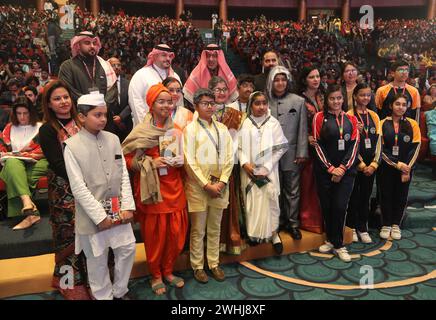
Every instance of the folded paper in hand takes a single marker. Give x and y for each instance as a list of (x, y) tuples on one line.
[(25, 159)]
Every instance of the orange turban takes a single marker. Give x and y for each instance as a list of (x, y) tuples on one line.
[(154, 92)]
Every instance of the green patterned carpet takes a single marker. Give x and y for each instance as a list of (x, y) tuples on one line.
[(411, 257)]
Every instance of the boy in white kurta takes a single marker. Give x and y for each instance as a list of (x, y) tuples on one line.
[(261, 145), (104, 203)]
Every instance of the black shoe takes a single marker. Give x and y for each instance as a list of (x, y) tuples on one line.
[(252, 243), (278, 248), (295, 233)]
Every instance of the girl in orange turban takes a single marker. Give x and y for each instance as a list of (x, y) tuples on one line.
[(158, 188)]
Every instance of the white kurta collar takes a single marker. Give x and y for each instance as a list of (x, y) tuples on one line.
[(259, 119)]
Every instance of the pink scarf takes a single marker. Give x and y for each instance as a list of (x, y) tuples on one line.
[(155, 52), (200, 76)]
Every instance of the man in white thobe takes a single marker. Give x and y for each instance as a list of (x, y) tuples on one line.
[(158, 68)]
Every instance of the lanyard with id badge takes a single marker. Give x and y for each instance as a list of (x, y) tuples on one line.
[(366, 129), (214, 177), (396, 148), (341, 141), (91, 76)]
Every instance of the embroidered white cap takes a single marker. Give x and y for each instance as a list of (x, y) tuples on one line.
[(92, 99)]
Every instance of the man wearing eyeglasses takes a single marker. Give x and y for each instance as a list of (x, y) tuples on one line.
[(385, 94)]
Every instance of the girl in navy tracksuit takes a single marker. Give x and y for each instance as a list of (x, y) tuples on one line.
[(401, 142), (368, 162), (337, 137)]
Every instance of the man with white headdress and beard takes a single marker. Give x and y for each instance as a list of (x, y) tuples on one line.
[(158, 68)]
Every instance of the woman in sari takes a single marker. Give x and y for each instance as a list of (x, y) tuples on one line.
[(231, 238), (310, 210), (61, 122)]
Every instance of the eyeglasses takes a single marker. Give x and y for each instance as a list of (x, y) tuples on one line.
[(205, 104), (402, 70), (220, 90)]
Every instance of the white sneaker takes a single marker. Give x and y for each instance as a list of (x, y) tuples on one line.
[(396, 232), (430, 206), (342, 254), (355, 238), (364, 237), (385, 232), (326, 247)]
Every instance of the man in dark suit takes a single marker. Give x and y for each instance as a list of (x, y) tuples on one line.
[(270, 59), (121, 114)]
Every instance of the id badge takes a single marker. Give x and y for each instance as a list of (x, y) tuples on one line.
[(341, 144), (395, 150), (368, 143), (163, 171)]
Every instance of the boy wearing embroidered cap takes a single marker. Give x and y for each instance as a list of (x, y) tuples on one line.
[(104, 203)]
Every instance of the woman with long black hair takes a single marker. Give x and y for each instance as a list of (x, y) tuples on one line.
[(401, 143), (308, 86), (369, 158), (337, 143), (61, 122)]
